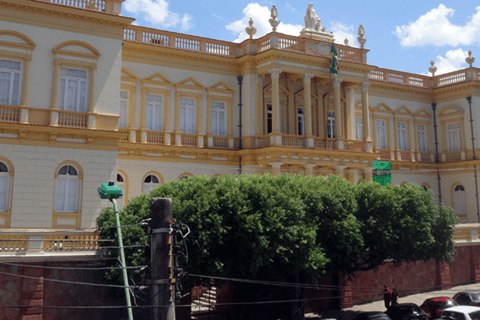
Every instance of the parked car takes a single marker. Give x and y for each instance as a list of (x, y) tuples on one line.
[(461, 313), (468, 298), (434, 307), (372, 315), (406, 311)]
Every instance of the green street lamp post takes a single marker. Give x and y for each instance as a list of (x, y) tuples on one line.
[(112, 192)]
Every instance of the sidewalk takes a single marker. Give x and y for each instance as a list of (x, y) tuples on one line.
[(350, 313)]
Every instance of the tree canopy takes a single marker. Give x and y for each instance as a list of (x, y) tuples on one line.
[(274, 227)]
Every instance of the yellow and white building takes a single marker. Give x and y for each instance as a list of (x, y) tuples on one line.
[(86, 97)]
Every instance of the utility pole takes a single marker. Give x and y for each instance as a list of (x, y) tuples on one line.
[(163, 297)]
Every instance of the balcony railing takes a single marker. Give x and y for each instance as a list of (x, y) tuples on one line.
[(355, 145), (13, 242), (324, 143), (72, 119), (220, 142), (426, 157), (405, 156), (94, 5), (9, 114), (384, 153), (263, 141), (293, 141), (155, 137), (453, 156), (188, 140)]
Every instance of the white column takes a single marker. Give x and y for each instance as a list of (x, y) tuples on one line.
[(336, 82), (276, 134), (366, 116), (350, 113)]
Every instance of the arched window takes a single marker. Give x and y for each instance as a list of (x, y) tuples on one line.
[(67, 189), (4, 187), (150, 183), (459, 200), (425, 187), (121, 184)]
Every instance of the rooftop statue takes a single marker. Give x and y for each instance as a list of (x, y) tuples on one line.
[(312, 21)]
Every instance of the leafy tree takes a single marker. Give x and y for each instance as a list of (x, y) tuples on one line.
[(289, 227)]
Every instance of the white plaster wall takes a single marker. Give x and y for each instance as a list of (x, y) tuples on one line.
[(137, 169), (249, 105), (34, 182), (449, 181), (107, 75), (176, 75)]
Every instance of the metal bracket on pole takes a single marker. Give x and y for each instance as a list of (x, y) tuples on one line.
[(162, 230)]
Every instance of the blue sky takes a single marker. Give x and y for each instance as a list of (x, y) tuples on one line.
[(401, 35)]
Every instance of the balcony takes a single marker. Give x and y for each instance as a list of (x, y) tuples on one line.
[(40, 243), (105, 6), (10, 114), (465, 233)]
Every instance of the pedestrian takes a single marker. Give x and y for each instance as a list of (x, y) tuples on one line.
[(387, 296), (394, 296)]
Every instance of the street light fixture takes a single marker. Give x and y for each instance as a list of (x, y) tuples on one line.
[(110, 191)]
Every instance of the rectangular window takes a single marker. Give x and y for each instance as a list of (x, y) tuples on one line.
[(10, 79), (381, 134), (359, 129), (301, 121), (66, 200), (331, 124), (454, 140), (402, 136), (422, 138), (3, 192), (122, 122), (73, 90), (187, 115), (219, 115), (154, 110)]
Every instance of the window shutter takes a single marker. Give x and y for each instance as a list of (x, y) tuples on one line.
[(190, 120), (60, 199), (214, 123), (122, 122), (83, 97), (158, 118), (16, 89), (149, 117), (61, 95), (459, 201), (3, 193), (221, 123), (72, 91), (182, 120), (71, 196), (4, 87)]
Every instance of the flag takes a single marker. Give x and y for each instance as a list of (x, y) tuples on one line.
[(333, 60)]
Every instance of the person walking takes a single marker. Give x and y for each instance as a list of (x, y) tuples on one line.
[(394, 296), (387, 296)]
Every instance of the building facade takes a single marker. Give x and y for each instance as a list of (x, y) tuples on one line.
[(86, 97)]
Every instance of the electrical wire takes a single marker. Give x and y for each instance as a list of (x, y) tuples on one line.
[(66, 281), (68, 268)]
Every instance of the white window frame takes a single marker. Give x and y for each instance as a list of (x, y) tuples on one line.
[(62, 105), (4, 188), (402, 136), (459, 199), (381, 131), (13, 72), (301, 121), (149, 186), (453, 136), (359, 129), (154, 118), (422, 137), (217, 128), (63, 206), (187, 115), (124, 107)]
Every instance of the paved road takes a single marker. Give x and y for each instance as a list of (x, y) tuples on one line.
[(350, 313)]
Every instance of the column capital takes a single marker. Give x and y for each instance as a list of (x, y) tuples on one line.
[(349, 90), (307, 77), (275, 73), (259, 78), (336, 82), (364, 86)]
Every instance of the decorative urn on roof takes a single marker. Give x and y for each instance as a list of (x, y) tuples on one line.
[(250, 30), (274, 22)]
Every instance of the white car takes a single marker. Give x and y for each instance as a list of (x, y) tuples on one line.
[(461, 313)]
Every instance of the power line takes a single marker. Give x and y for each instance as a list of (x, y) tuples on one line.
[(70, 282), (70, 268)]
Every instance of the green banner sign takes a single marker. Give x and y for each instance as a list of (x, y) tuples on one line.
[(382, 172)]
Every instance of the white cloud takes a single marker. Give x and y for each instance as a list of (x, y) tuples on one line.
[(157, 14), (341, 31), (434, 28), (453, 61), (260, 16)]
